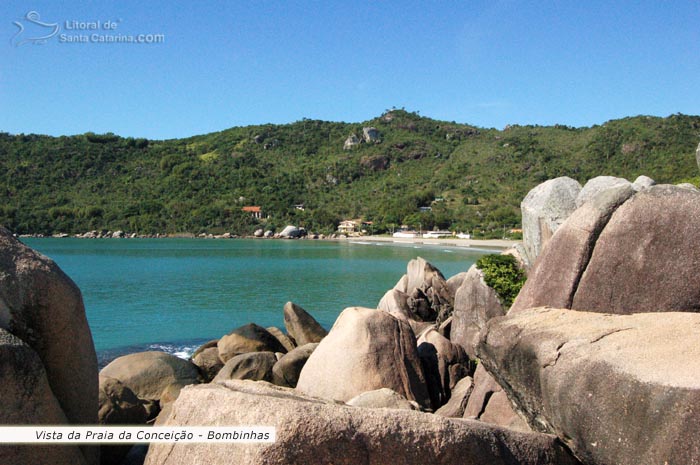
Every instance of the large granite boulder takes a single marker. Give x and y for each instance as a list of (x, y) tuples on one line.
[(287, 369), (544, 209), (642, 182), (455, 406), (42, 306), (475, 304), (597, 185), (290, 232), (248, 338), (554, 278), (256, 366), (620, 389), (310, 431), (284, 339), (623, 254), (27, 399), (365, 350), (148, 374), (646, 258), (301, 326)]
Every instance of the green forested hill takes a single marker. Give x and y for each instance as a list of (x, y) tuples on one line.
[(199, 184)]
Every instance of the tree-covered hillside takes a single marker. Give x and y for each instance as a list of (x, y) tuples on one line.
[(472, 178)]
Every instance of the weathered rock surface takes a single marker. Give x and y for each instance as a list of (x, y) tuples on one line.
[(429, 297), (544, 209), (365, 350), (147, 374), (475, 303), (395, 303), (351, 142), (312, 431), (206, 357), (554, 278), (599, 184), (370, 135), (27, 399), (42, 306), (248, 338), (642, 182), (301, 326), (287, 369), (454, 282), (286, 342), (444, 364), (620, 389), (454, 408), (256, 366), (646, 259), (118, 405), (383, 398), (290, 232), (486, 392)]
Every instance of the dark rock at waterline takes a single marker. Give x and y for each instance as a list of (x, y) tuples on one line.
[(287, 369), (148, 374), (256, 366), (301, 326), (248, 338)]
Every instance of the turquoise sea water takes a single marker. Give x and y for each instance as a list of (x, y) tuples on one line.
[(174, 294)]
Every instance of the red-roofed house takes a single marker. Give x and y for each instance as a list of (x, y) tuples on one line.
[(255, 212)]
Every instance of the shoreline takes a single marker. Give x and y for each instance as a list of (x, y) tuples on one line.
[(487, 244)]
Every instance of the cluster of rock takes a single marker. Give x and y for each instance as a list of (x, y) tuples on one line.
[(582, 369), (370, 135)]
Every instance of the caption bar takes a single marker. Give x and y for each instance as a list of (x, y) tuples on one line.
[(134, 434)]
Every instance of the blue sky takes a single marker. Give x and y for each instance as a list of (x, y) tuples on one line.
[(236, 63)]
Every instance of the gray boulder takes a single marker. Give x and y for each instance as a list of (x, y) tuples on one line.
[(301, 326), (643, 182), (339, 434), (248, 338), (351, 142), (256, 366), (597, 185), (544, 209), (286, 342), (365, 350), (290, 232), (42, 306), (454, 282), (370, 135), (395, 303), (475, 303), (383, 398), (148, 374), (287, 369), (429, 296), (258, 233), (619, 389)]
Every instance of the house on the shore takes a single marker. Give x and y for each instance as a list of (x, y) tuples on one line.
[(255, 211), (347, 226)]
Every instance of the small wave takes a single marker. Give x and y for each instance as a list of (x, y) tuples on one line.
[(182, 350)]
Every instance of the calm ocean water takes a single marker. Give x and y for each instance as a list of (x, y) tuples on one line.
[(174, 294)]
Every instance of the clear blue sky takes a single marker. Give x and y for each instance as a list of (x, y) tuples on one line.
[(224, 64)]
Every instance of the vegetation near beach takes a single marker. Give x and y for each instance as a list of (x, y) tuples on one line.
[(420, 172), (501, 272)]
